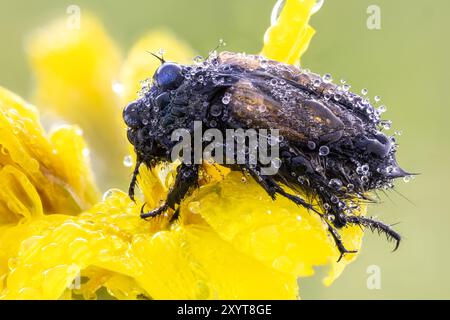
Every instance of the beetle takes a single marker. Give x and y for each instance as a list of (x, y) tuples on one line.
[(333, 149)]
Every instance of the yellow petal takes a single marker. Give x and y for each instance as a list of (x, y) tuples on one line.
[(40, 174), (288, 38), (200, 265), (278, 233), (110, 246), (141, 65), (75, 69)]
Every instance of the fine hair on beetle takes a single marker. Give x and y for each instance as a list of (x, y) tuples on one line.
[(331, 152)]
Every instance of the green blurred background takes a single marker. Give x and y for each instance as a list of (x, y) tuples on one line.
[(406, 63)]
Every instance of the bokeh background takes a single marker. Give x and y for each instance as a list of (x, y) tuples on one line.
[(406, 63)]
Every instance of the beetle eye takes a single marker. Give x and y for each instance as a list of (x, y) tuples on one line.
[(168, 76), (131, 115)]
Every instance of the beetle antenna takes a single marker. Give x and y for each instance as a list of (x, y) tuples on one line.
[(158, 57)]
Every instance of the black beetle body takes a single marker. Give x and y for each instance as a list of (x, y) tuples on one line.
[(332, 150)]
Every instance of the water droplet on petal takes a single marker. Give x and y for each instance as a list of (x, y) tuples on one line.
[(317, 6)]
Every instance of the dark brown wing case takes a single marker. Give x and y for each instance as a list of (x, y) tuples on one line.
[(272, 95)]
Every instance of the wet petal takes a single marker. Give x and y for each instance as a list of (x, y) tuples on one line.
[(75, 69), (40, 174), (288, 38), (110, 246), (278, 233), (198, 264)]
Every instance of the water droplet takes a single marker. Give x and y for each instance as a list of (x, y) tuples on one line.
[(299, 218), (118, 88), (276, 163), (194, 207), (365, 169), (330, 217), (389, 169), (215, 110), (327, 78), (198, 59), (335, 184), (86, 152), (334, 199), (382, 109), (337, 96), (311, 145), (79, 131), (317, 6), (377, 98), (4, 150), (364, 91), (407, 179), (386, 124), (107, 194), (226, 98), (128, 161), (324, 151)]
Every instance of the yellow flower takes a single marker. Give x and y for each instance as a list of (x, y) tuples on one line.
[(58, 240), (40, 173)]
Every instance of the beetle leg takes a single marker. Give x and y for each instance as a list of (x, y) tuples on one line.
[(338, 241), (263, 181), (376, 226), (187, 176), (134, 179), (272, 188)]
